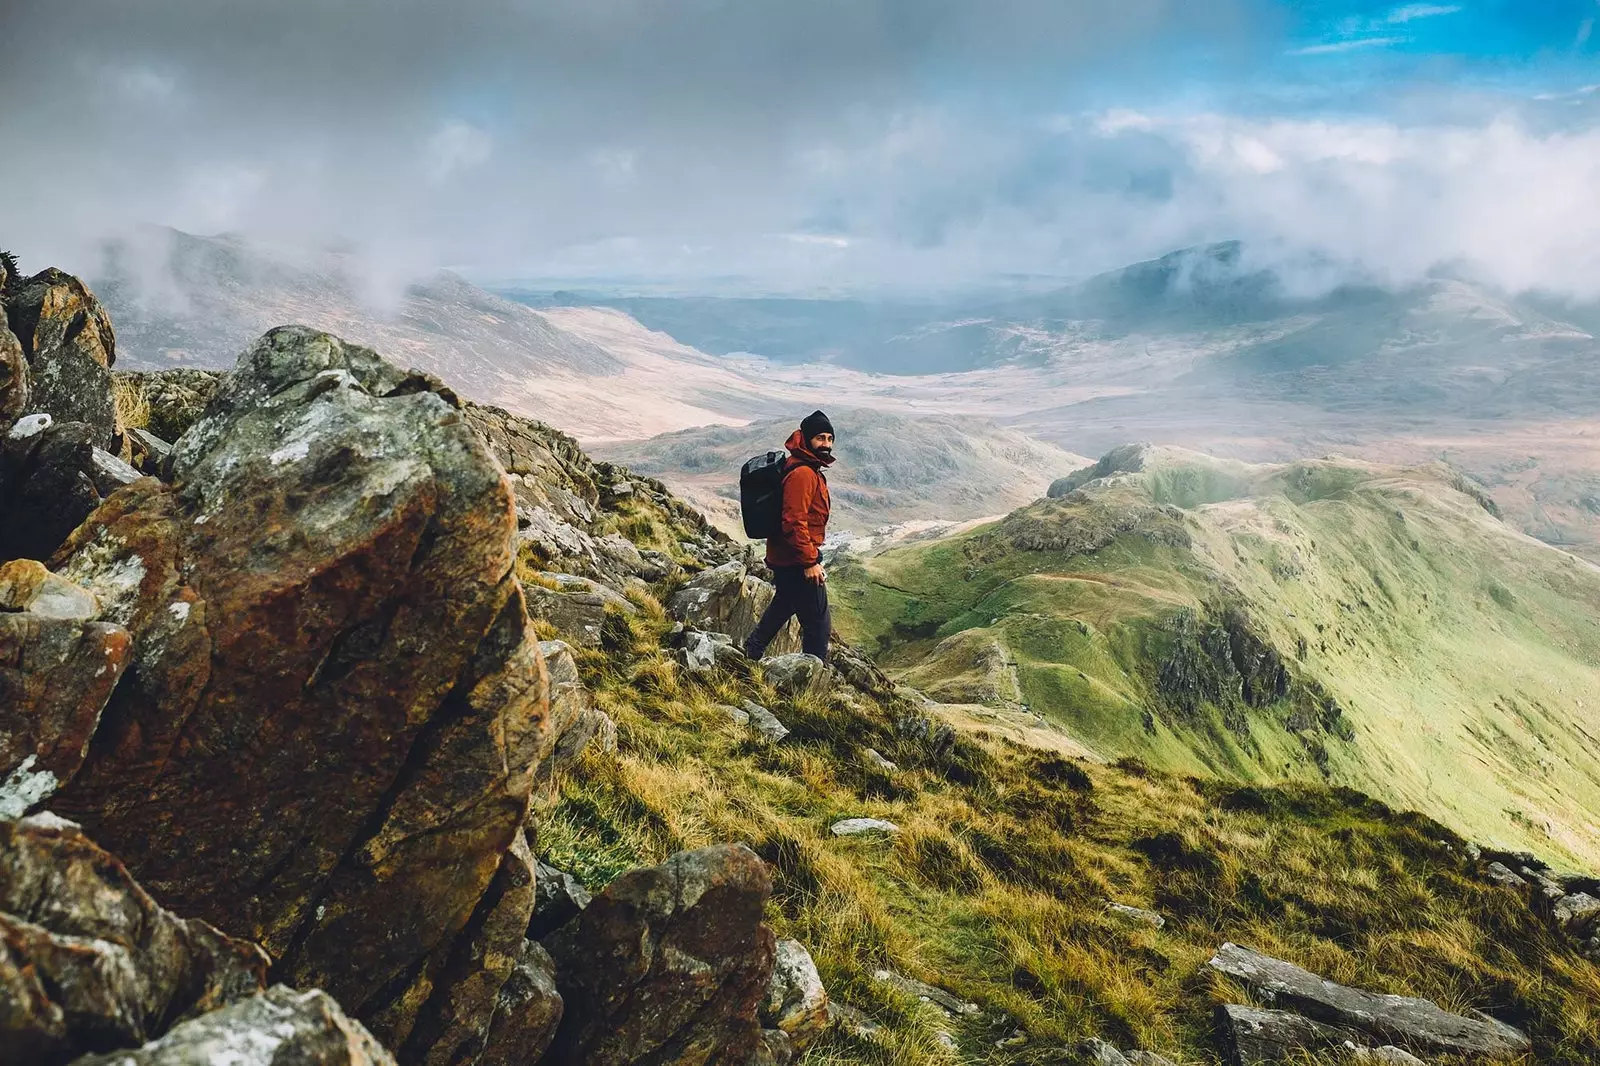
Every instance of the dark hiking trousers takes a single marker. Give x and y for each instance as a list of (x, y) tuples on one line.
[(796, 597)]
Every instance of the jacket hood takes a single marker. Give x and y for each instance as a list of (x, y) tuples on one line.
[(798, 449)]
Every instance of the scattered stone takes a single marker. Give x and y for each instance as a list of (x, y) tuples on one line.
[(110, 473), (1146, 1058), (1417, 1024), (150, 452), (1135, 915), (58, 667), (1501, 875), (1249, 1035), (765, 722), (796, 675), (701, 652), (1387, 1055), (949, 1004), (850, 827), (773, 1048), (278, 1027), (852, 1020), (88, 960), (574, 721), (796, 1002), (668, 964), (527, 1010), (558, 898), (1099, 1053), (1577, 913), (738, 715), (47, 485), (879, 761), (176, 397), (336, 548)]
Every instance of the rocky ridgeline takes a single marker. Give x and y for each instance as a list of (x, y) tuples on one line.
[(289, 677)]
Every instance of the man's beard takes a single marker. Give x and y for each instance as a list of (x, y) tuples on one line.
[(823, 453)]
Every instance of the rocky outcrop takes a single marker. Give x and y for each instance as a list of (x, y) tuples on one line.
[(278, 1027), (729, 599), (1414, 1024), (88, 961), (175, 398), (15, 391), (58, 666), (326, 739), (1250, 1035), (574, 721), (527, 1010), (576, 606), (48, 484), (558, 898), (67, 340), (669, 964)]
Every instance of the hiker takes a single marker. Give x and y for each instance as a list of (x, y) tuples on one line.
[(794, 552)]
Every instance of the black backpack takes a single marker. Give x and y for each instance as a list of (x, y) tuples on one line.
[(761, 494)]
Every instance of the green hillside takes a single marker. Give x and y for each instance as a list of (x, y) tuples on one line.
[(1324, 620)]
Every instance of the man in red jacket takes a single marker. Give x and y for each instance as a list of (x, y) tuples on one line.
[(795, 554)]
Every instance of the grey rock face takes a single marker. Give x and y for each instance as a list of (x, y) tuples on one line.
[(1577, 913), (576, 607), (1501, 875), (558, 898), (1416, 1024), (67, 339), (278, 1027), (88, 961), (729, 599), (669, 964), (1249, 1035), (796, 675), (952, 1005)]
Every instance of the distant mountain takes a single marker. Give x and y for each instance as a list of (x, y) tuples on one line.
[(892, 467)]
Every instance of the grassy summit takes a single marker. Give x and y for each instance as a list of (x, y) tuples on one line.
[(1326, 620)]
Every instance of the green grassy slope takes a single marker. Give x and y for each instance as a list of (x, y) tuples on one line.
[(1324, 620)]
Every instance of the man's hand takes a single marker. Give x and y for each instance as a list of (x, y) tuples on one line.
[(814, 574)]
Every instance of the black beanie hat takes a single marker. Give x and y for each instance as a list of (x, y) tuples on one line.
[(815, 422)]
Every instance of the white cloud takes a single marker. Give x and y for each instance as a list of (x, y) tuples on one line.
[(1333, 47), (455, 148), (1412, 12)]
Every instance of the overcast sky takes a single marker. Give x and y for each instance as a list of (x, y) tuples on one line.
[(796, 143)]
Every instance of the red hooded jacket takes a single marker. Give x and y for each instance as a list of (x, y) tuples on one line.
[(805, 508)]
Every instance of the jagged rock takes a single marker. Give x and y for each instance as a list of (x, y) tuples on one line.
[(1099, 1053), (88, 961), (701, 653), (150, 452), (454, 1026), (1501, 875), (1577, 913), (327, 584), (574, 721), (796, 675), (69, 345), (1415, 1024), (576, 607), (765, 722), (14, 388), (558, 898), (729, 599), (669, 964), (58, 666), (1136, 915), (737, 715), (950, 1004), (47, 485), (278, 1027), (852, 1020), (527, 1011), (1249, 1035), (110, 473), (796, 1002), (850, 827)]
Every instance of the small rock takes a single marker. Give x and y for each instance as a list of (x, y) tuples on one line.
[(1100, 1053), (796, 675), (527, 1011), (738, 715), (558, 897), (110, 473), (946, 1040), (796, 1002), (1146, 1058), (850, 827), (852, 1020), (952, 1005), (1137, 915), (773, 1049), (1387, 1055), (765, 722), (1577, 912), (150, 450), (879, 761), (1501, 875)]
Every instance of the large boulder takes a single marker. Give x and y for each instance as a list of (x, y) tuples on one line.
[(1249, 1035), (326, 741), (796, 1002), (668, 965), (796, 675), (47, 484), (58, 666), (1413, 1024), (88, 961), (729, 599), (278, 1027), (67, 339), (14, 387)]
